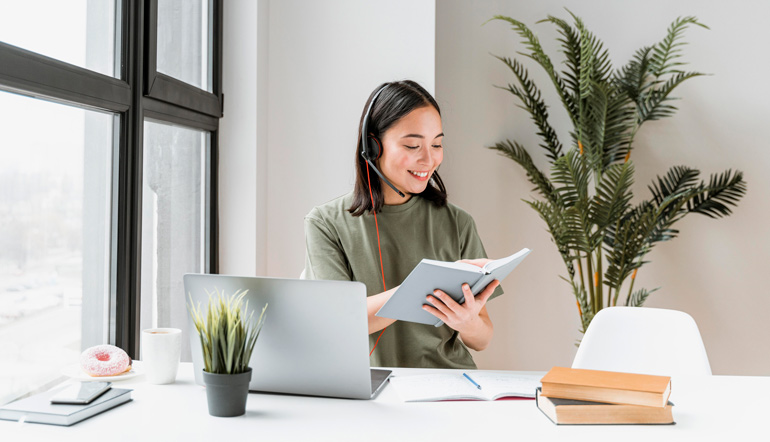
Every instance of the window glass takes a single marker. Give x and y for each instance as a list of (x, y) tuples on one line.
[(184, 41), (173, 221), (55, 230), (79, 32)]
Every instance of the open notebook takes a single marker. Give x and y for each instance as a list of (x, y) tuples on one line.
[(454, 386)]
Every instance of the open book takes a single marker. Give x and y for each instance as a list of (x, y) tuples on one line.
[(453, 386), (406, 303)]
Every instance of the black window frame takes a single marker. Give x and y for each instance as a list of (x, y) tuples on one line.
[(172, 90), (31, 74)]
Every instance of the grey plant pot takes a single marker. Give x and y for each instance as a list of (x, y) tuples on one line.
[(227, 393)]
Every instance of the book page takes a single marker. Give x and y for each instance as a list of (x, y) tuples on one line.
[(454, 265), (452, 386), (493, 265), (497, 385)]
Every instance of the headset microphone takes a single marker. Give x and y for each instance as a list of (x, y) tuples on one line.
[(371, 149), (383, 177)]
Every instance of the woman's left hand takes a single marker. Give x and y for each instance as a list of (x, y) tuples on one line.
[(464, 316)]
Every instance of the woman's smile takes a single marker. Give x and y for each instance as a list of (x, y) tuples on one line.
[(422, 176)]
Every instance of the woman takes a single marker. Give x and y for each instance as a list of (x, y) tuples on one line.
[(377, 234)]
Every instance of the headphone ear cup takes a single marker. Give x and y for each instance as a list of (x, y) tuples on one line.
[(374, 149)]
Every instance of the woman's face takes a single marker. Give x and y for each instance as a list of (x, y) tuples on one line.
[(411, 152)]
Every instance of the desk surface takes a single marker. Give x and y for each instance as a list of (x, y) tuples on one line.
[(705, 409)]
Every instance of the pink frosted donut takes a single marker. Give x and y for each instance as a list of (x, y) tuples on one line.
[(104, 360)]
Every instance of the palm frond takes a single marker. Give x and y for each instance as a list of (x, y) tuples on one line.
[(607, 121), (612, 195), (537, 53), (632, 78), (593, 118), (676, 180), (533, 103), (626, 243), (620, 119), (637, 298), (666, 53), (595, 63), (570, 42), (572, 173), (655, 104), (723, 190)]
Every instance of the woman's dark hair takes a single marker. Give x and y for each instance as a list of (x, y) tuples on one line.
[(397, 100)]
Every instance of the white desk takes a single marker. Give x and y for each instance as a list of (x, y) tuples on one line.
[(730, 407)]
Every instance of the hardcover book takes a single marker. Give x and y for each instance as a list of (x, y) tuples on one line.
[(574, 412), (429, 275), (607, 386)]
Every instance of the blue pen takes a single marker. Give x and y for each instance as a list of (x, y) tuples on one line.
[(472, 381)]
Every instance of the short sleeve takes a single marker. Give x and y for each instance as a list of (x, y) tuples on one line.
[(324, 258), (473, 248)]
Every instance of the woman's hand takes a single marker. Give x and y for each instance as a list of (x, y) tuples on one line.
[(470, 318)]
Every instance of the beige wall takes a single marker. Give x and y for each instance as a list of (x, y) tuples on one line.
[(716, 269)]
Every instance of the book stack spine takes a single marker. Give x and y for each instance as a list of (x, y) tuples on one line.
[(578, 396)]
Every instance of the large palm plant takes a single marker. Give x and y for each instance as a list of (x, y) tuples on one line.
[(586, 203)]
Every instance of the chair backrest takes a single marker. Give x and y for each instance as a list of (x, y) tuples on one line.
[(643, 340)]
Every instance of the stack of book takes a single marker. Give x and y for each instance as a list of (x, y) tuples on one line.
[(40, 409), (579, 396)]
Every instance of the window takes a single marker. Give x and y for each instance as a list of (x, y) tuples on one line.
[(107, 174), (184, 41), (55, 199), (78, 32)]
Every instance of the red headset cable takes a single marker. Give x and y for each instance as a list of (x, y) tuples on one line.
[(379, 248)]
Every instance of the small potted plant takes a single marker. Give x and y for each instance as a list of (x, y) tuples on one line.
[(227, 339)]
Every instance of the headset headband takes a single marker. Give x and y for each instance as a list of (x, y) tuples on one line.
[(365, 125)]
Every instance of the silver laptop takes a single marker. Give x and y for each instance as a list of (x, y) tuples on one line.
[(314, 340)]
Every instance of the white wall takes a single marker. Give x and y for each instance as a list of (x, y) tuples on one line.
[(715, 270), (239, 180)]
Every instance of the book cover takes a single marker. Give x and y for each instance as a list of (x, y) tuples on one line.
[(607, 386), (575, 412), (453, 386), (39, 409), (429, 275)]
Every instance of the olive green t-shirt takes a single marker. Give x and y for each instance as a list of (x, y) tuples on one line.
[(340, 246)]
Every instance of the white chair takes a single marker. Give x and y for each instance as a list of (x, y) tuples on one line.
[(643, 340)]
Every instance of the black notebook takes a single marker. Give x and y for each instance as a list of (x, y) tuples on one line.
[(39, 409)]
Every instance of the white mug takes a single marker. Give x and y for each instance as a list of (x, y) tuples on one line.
[(161, 349)]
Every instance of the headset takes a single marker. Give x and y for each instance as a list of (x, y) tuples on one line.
[(371, 147), (371, 150)]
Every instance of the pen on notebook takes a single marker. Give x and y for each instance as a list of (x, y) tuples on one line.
[(472, 381)]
